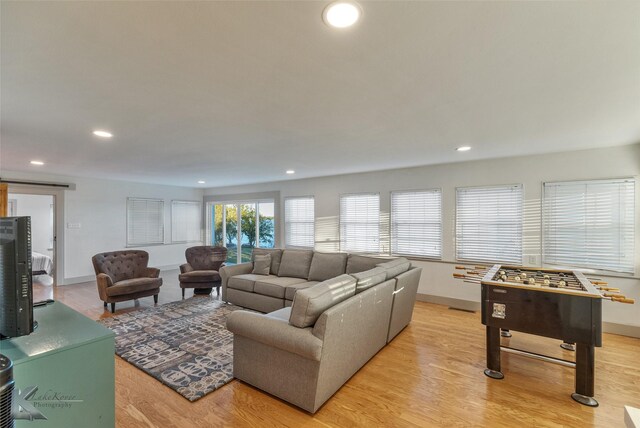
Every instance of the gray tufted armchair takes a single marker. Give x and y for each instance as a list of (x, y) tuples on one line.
[(201, 270), (124, 275)]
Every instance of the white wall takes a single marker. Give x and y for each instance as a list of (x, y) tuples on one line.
[(38, 208), (531, 171), (99, 206)]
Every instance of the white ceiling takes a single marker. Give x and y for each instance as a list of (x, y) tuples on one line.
[(238, 92)]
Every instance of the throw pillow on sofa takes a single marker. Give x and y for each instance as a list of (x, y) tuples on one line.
[(395, 267), (327, 265), (262, 264), (276, 256), (310, 303), (295, 263), (369, 278)]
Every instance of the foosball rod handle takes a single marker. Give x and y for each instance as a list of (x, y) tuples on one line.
[(622, 299)]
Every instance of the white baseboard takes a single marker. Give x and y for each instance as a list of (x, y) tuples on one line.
[(621, 329), (465, 305), (468, 305)]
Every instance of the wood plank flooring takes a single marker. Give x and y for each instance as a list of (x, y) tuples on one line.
[(430, 375)]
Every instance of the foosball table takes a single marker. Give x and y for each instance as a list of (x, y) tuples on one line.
[(560, 304)]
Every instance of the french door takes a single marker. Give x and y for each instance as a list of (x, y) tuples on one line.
[(241, 227)]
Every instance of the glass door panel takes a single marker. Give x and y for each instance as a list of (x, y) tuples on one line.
[(266, 225), (216, 226), (248, 232), (231, 232)]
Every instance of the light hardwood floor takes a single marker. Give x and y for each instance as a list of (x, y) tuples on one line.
[(430, 375)]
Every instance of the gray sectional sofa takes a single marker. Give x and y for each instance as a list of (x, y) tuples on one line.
[(327, 315)]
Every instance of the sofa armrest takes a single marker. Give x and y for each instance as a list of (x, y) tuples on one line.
[(153, 272), (276, 333), (227, 272), (186, 268), (104, 281)]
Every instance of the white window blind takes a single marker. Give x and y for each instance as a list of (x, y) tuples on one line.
[(590, 224), (489, 224), (299, 222), (416, 223), (185, 221), (360, 223), (145, 221)]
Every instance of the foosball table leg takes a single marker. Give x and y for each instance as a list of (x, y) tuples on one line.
[(505, 333), (585, 375), (493, 353)]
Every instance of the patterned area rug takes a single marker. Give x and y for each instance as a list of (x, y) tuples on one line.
[(183, 344)]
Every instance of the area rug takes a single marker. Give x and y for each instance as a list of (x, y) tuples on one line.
[(184, 344)]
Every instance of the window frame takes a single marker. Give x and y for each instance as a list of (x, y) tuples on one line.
[(391, 223), (184, 201), (600, 271), (162, 213), (340, 223), (457, 217), (285, 221)]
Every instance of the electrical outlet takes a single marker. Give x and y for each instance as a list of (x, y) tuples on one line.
[(533, 260)]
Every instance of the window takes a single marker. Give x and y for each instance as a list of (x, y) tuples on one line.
[(241, 227), (589, 224), (360, 223), (145, 221), (299, 222), (489, 224), (416, 223), (185, 221)]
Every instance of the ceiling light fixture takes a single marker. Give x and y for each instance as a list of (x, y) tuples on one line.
[(102, 134), (463, 149), (35, 162), (290, 171), (341, 14), (201, 181)]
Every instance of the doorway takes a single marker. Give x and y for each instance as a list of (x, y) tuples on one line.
[(42, 210), (241, 227)]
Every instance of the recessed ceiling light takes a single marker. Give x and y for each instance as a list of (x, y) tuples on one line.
[(463, 149), (35, 162), (290, 171), (102, 134), (341, 14), (201, 181)]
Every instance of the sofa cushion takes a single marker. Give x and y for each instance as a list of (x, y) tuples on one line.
[(310, 303), (291, 289), (295, 263), (395, 267), (200, 276), (369, 278), (276, 256), (245, 282), (274, 286), (130, 286), (357, 263), (262, 264), (327, 265)]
